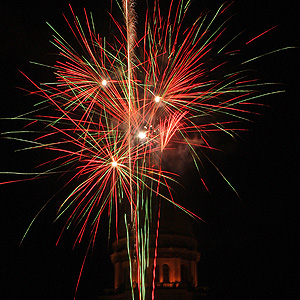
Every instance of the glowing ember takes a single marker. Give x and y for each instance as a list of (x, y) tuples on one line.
[(142, 135), (157, 99)]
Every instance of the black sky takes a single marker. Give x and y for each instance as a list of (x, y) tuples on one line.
[(252, 251)]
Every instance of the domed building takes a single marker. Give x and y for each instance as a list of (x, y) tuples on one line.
[(176, 275)]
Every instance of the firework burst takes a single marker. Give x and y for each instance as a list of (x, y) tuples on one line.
[(119, 107)]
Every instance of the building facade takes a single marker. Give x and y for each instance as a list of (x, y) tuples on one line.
[(176, 274)]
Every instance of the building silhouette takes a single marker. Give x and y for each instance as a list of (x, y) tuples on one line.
[(176, 273)]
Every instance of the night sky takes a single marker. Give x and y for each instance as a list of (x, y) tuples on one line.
[(248, 244)]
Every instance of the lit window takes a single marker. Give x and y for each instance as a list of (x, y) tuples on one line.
[(166, 273), (157, 274), (183, 274)]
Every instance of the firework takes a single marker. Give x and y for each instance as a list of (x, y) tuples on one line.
[(119, 108)]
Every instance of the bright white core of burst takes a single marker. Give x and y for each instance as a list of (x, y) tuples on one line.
[(104, 82), (157, 99), (142, 135), (114, 163)]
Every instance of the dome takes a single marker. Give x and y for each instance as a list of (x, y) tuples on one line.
[(174, 220), (177, 254)]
